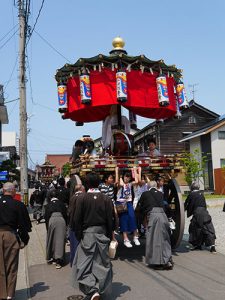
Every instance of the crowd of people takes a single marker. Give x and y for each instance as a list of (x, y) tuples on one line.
[(90, 216)]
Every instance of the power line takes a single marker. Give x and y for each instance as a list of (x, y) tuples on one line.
[(29, 74), (31, 89), (13, 79), (35, 23), (8, 32), (13, 108), (27, 11), (52, 46), (13, 20), (45, 151), (12, 100), (10, 77), (9, 38), (44, 139), (30, 158), (51, 136), (46, 107)]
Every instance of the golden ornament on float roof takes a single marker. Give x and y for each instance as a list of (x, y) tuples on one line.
[(118, 43)]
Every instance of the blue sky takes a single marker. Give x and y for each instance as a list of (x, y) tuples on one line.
[(189, 34)]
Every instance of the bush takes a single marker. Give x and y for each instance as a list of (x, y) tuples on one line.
[(194, 165)]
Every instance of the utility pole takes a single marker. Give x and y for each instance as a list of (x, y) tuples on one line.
[(23, 111)]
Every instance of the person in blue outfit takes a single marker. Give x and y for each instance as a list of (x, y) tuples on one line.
[(127, 219)]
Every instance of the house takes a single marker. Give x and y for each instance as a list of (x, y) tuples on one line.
[(210, 140), (3, 112), (10, 144), (170, 131), (58, 160)]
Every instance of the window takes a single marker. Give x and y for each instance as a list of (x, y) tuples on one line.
[(191, 120), (222, 162), (221, 135), (186, 133)]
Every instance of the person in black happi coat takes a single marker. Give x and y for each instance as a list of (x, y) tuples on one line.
[(201, 229)]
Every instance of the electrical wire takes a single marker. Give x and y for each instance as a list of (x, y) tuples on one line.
[(45, 151), (9, 38), (14, 22), (12, 100), (51, 136), (31, 90), (45, 139), (8, 32), (46, 107), (28, 154), (27, 12), (52, 47), (10, 77), (13, 108), (35, 23), (30, 82)]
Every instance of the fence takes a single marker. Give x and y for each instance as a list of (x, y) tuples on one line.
[(219, 175)]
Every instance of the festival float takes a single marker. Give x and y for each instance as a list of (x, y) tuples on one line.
[(98, 88)]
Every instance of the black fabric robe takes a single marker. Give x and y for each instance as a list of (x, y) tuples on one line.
[(92, 222), (201, 229), (149, 200), (14, 220), (55, 206), (158, 245), (92, 209)]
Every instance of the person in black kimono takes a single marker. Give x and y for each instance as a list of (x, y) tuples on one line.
[(14, 227), (36, 202), (158, 253), (92, 222), (201, 229), (79, 189), (56, 220), (63, 193)]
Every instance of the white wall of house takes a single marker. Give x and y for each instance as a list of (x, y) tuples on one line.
[(218, 148), (195, 143), (8, 138)]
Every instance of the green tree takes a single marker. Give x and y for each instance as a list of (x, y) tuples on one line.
[(66, 169), (194, 165)]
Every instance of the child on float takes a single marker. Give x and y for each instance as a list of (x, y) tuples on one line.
[(143, 186), (127, 219), (143, 183)]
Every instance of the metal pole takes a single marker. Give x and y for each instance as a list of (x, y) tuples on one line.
[(23, 112)]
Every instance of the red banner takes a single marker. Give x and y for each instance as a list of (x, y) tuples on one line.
[(142, 96)]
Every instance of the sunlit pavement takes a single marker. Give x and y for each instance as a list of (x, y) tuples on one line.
[(196, 274)]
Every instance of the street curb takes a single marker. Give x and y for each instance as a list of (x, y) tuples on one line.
[(27, 273), (219, 202)]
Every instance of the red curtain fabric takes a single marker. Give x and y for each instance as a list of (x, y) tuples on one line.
[(142, 96)]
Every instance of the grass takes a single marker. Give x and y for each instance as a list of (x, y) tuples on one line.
[(207, 196), (212, 196)]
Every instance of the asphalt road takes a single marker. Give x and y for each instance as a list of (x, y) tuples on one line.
[(196, 275)]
